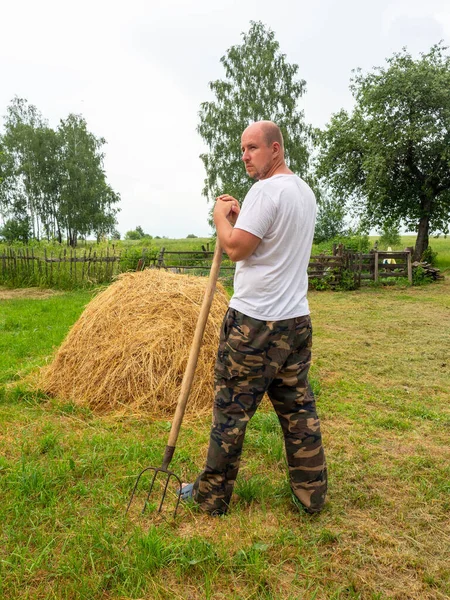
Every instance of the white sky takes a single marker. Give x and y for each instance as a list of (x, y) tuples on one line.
[(138, 70)]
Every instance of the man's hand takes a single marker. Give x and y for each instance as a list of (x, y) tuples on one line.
[(227, 206), (237, 243)]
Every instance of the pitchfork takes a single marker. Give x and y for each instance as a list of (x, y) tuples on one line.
[(184, 392)]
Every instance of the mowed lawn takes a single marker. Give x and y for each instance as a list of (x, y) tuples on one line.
[(381, 373)]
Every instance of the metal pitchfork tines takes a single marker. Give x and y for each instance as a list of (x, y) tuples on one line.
[(184, 392)]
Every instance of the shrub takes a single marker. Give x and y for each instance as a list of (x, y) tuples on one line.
[(347, 281), (429, 256), (319, 284), (356, 243), (334, 280), (420, 276), (18, 229), (130, 258), (137, 234)]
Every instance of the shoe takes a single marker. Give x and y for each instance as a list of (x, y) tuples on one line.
[(187, 492), (187, 495)]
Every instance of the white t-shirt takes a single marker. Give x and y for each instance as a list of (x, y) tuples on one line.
[(272, 283)]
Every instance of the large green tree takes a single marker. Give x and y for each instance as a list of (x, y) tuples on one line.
[(86, 200), (53, 180), (259, 84), (330, 221), (391, 156), (21, 190)]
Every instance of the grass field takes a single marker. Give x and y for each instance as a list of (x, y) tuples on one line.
[(381, 373)]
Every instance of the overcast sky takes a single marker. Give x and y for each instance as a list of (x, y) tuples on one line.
[(138, 70)]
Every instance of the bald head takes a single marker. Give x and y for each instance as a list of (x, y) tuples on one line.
[(270, 131), (262, 150)]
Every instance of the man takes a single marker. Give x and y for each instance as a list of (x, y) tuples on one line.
[(266, 336)]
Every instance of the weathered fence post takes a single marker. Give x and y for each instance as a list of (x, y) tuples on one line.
[(59, 267), (161, 257), (409, 266), (375, 272), (32, 262)]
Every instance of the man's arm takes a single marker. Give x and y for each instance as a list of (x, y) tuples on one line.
[(237, 243)]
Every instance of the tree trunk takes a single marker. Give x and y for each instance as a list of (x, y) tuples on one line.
[(422, 237)]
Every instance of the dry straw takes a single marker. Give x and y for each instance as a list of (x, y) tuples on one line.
[(129, 348)]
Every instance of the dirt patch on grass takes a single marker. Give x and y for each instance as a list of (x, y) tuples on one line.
[(27, 293)]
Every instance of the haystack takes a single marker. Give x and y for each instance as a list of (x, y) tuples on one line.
[(129, 348)]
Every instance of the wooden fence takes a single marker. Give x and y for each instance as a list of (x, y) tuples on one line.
[(67, 268), (331, 269), (71, 268), (376, 266)]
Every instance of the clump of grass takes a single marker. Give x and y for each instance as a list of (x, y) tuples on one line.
[(254, 488)]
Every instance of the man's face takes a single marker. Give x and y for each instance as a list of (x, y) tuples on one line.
[(258, 157)]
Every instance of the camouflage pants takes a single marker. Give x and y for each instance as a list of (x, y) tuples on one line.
[(255, 357)]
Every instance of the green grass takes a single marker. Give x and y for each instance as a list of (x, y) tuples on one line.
[(29, 329), (381, 375), (182, 244)]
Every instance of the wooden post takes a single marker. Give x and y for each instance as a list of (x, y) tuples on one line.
[(32, 263), (65, 263), (94, 269), (15, 265), (375, 273), (360, 268), (83, 265), (39, 265), (161, 257), (59, 267), (409, 266), (107, 265), (28, 263)]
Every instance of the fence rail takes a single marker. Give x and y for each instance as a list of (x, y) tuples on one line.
[(71, 268)]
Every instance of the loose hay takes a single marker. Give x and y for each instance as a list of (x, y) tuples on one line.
[(129, 348)]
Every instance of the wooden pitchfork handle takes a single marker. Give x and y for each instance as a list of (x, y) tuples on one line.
[(193, 357)]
